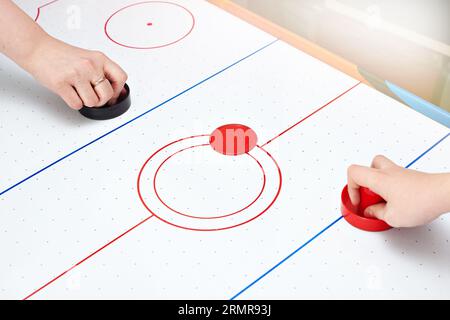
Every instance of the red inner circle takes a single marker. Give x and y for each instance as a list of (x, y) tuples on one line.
[(202, 217)]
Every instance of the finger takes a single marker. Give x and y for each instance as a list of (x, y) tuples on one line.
[(114, 100), (381, 162), (116, 76), (70, 97), (87, 94), (377, 211), (359, 176), (104, 91)]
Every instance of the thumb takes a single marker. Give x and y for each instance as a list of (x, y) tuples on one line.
[(377, 211)]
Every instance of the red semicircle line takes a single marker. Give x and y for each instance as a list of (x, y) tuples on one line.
[(38, 13)]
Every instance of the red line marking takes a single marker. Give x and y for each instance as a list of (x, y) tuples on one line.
[(87, 258), (310, 115), (43, 6)]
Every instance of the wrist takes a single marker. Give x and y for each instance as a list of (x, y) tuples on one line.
[(442, 199), (36, 51)]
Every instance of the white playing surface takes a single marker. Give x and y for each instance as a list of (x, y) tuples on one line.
[(73, 225)]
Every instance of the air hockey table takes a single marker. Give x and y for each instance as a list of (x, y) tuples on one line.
[(141, 207)]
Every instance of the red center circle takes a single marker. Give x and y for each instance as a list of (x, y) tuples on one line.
[(232, 226), (188, 32)]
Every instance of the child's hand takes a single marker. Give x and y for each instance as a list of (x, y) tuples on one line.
[(412, 198), (80, 77)]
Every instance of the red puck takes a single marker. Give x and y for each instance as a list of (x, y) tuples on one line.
[(355, 215), (233, 139)]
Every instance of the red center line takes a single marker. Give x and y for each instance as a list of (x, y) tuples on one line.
[(310, 115), (87, 258)]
